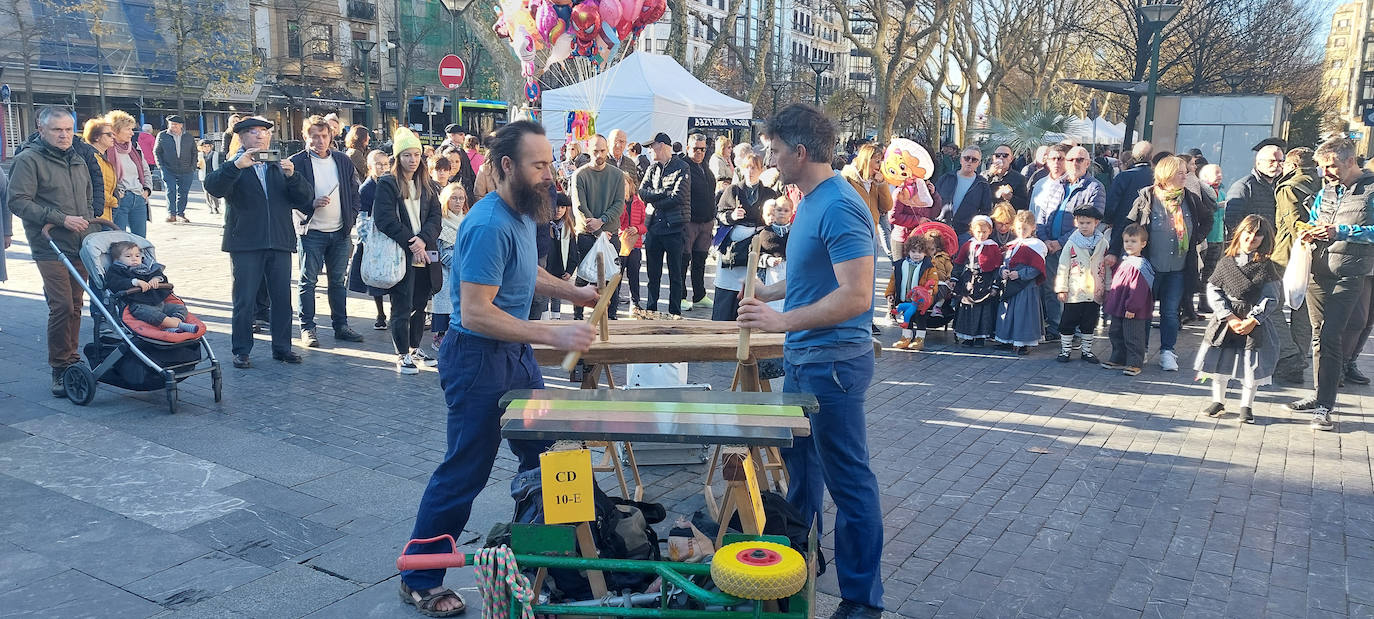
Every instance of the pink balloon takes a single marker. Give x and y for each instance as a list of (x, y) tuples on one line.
[(545, 18), (629, 12), (610, 12), (651, 11)]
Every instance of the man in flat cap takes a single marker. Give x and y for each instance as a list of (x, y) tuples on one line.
[(175, 152), (261, 189)]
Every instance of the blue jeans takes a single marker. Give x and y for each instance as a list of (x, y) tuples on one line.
[(330, 252), (835, 456), (475, 372), (1169, 291), (131, 215), (1049, 299), (178, 190)]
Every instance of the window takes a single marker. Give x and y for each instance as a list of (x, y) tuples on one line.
[(293, 39), (1337, 65), (321, 42), (1342, 24), (1338, 42)]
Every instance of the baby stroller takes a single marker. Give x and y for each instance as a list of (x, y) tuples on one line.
[(124, 351)]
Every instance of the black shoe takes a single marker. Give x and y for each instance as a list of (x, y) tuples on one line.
[(286, 357), (876, 331), (1215, 409), (1063, 357), (1088, 357), (1052, 336), (261, 326), (241, 362), (1246, 416), (380, 325), (347, 334), (1289, 378), (855, 610), (968, 343), (59, 389), (979, 343), (1305, 404), (1353, 375), (1004, 346), (1023, 350)]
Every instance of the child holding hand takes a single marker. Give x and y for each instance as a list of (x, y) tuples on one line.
[(1130, 303)]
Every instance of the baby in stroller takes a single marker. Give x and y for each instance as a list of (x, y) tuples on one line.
[(144, 288)]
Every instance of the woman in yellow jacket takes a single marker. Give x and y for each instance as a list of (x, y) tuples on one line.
[(865, 175), (100, 134)]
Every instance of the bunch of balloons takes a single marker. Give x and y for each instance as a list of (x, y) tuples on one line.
[(555, 30), (581, 125)]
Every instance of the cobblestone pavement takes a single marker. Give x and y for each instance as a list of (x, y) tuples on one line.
[(1010, 487)]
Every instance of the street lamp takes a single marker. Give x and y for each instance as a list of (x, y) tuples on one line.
[(776, 86), (365, 47), (819, 66), (1155, 14), (1234, 80), (954, 91)]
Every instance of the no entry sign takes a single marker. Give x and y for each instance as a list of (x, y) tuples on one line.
[(452, 71)]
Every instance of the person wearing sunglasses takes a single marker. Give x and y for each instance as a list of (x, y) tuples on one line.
[(1054, 200), (964, 193), (1007, 184)]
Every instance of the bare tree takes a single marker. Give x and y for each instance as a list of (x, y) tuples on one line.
[(204, 43), (25, 33), (902, 44), (718, 37)]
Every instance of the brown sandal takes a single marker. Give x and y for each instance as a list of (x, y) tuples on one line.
[(425, 604)]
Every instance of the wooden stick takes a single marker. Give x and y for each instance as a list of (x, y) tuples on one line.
[(602, 326), (573, 356), (750, 277)]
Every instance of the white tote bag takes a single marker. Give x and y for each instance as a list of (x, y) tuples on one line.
[(384, 262), (1295, 276)]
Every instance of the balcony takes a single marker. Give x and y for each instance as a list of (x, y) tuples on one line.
[(363, 11), (357, 67)]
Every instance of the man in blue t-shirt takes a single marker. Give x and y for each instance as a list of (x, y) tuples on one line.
[(829, 348), (487, 351)]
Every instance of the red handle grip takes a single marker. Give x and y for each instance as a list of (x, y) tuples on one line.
[(431, 561)]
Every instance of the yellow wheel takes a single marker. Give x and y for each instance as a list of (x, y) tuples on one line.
[(758, 570)]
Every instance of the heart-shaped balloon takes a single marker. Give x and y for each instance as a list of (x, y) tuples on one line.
[(610, 13)]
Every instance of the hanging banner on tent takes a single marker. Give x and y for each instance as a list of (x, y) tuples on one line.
[(706, 122)]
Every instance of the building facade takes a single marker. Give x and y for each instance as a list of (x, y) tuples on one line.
[(1348, 69)]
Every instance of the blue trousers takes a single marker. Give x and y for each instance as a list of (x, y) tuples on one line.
[(131, 214), (1169, 291), (474, 372), (329, 252), (178, 190), (835, 456)]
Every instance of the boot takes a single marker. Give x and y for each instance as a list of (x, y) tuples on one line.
[(918, 342), (58, 389), (1087, 354), (905, 341)]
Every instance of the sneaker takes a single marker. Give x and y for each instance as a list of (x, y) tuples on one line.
[(1321, 419), (421, 356), (309, 339), (902, 343), (1354, 375), (705, 302), (1305, 404), (917, 343), (1168, 361), (1246, 415), (1063, 357), (59, 390), (1215, 409), (437, 340), (287, 357), (855, 610), (876, 331), (380, 325), (242, 362), (1131, 371), (347, 334), (686, 306), (1088, 357), (1108, 365), (171, 219), (1052, 336), (406, 365), (183, 219)]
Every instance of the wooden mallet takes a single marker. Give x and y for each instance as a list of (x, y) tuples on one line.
[(750, 278), (603, 302)]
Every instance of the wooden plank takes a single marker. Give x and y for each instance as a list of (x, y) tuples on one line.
[(669, 349), (586, 407), (688, 433), (805, 400), (800, 426), (686, 326)]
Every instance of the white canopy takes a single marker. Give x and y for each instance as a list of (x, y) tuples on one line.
[(1107, 133), (642, 95)]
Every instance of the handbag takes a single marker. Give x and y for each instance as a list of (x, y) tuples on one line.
[(603, 249), (1296, 275), (384, 261)]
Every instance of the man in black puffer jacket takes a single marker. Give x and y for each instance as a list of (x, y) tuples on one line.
[(665, 191), (701, 227)]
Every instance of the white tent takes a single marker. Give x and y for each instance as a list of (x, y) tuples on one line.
[(642, 95), (1107, 133)]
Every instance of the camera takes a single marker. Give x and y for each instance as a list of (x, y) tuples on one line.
[(267, 156)]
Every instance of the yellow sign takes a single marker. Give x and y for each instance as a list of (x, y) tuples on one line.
[(568, 483), (751, 481)]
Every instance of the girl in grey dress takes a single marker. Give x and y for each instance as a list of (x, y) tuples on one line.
[(1241, 341)]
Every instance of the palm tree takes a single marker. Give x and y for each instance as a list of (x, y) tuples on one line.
[(1026, 127)]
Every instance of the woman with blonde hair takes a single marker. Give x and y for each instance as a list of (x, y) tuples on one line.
[(97, 133), (865, 176), (722, 163), (1177, 220), (132, 185)]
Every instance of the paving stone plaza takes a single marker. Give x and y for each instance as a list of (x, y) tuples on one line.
[(1010, 486)]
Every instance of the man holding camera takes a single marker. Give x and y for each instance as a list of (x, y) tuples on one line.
[(261, 190)]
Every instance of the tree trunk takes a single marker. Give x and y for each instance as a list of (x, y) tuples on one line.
[(677, 31), (501, 57), (762, 73)]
